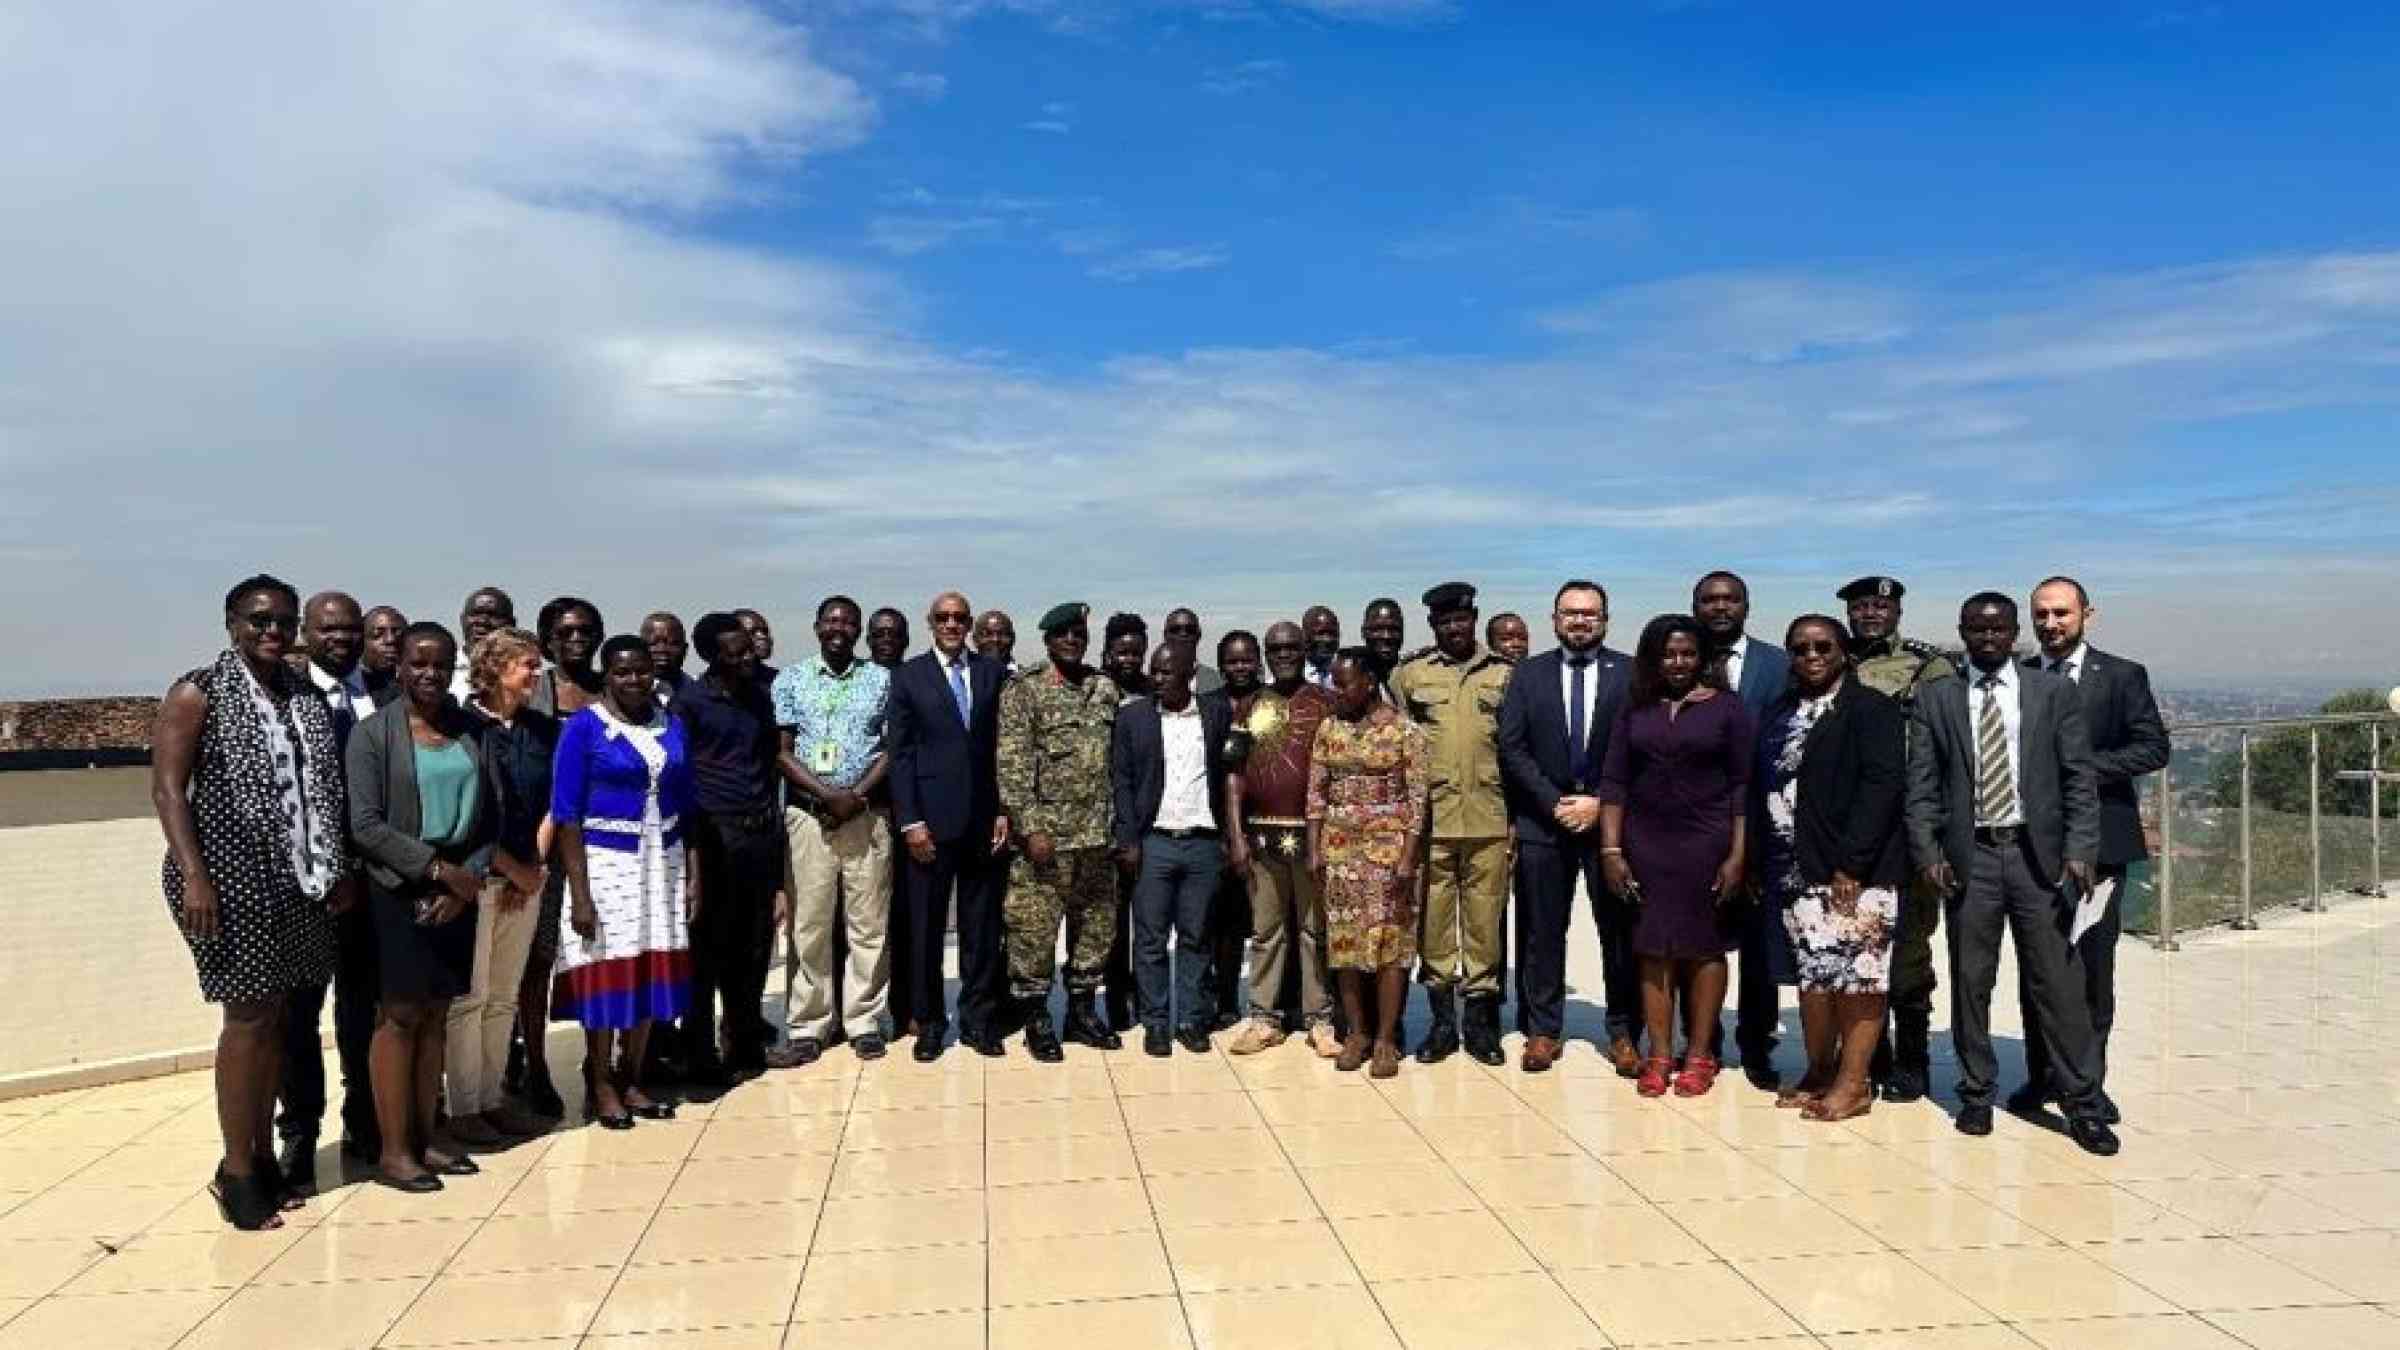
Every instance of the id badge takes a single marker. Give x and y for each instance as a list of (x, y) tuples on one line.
[(826, 758)]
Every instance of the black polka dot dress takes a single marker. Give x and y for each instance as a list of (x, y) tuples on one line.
[(272, 937)]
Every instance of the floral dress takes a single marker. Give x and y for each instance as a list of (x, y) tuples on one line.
[(1368, 787), (1836, 953)]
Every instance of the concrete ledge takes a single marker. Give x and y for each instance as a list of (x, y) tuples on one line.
[(73, 1076)]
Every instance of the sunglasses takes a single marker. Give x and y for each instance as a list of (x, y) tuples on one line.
[(1820, 647), (950, 620), (267, 622)]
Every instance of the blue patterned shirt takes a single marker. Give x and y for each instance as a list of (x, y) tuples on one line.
[(836, 721)]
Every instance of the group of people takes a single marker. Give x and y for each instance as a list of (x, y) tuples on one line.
[(465, 836)]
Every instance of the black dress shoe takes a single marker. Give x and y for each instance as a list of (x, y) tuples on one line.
[(1975, 1118), (1906, 1084), (710, 1073), (929, 1046), (1156, 1042), (2093, 1136), (358, 1148), (2109, 1115), (1085, 1026), (869, 1046), (542, 1099), (1761, 1073), (986, 1043), (798, 1054), (1194, 1039), (2028, 1100), (423, 1183), (298, 1161)]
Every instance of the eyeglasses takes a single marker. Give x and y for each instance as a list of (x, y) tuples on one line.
[(942, 620), (1820, 647), (268, 621)]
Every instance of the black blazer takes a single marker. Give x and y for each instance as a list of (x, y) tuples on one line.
[(1137, 762), (2055, 782), (1853, 784), (2129, 739), (1535, 766), (943, 775), (385, 820)]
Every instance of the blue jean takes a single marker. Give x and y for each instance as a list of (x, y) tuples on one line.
[(1175, 886)]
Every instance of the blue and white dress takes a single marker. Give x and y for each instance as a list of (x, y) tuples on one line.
[(629, 787)]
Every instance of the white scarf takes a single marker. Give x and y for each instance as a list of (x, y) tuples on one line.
[(315, 848)]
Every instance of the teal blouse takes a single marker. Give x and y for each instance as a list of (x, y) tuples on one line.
[(446, 788)]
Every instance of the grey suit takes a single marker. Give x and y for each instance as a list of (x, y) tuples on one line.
[(2010, 878)]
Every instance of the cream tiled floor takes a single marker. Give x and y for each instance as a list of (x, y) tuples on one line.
[(1211, 1202)]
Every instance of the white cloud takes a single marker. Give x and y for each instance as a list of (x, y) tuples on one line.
[(1151, 262), (905, 236), (922, 84), (322, 318)]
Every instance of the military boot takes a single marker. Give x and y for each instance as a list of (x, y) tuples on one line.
[(1911, 1075), (1084, 1024), (1041, 1041), (1483, 1031), (1441, 1039)]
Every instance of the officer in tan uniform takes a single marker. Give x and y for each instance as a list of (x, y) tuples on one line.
[(1056, 722), (1899, 668), (1453, 691)]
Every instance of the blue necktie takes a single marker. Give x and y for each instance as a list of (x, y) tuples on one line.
[(958, 690), (1575, 727)]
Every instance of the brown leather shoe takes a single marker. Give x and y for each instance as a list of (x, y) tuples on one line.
[(1627, 1060), (1540, 1053)]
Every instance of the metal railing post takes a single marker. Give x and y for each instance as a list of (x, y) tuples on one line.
[(2166, 862), (2375, 809), (2244, 921), (2315, 903)]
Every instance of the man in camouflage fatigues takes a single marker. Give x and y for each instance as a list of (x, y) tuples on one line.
[(1454, 692), (1900, 668), (1056, 721)]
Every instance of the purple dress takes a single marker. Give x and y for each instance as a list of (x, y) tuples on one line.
[(1682, 783)]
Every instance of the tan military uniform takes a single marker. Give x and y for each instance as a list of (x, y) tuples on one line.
[(1466, 872), (1054, 781)]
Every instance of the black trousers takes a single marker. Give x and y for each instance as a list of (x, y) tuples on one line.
[(2095, 956), (1545, 879), (980, 880), (2002, 892), (1117, 985), (741, 868), (1760, 1015), (1228, 939), (356, 988)]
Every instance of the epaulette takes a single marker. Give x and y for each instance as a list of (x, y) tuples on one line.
[(1418, 655), (1921, 649)]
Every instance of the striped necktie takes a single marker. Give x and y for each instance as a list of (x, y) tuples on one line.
[(1995, 786)]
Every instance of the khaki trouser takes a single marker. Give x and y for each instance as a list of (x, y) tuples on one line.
[(840, 872), (1466, 896), (476, 1030), (1287, 911)]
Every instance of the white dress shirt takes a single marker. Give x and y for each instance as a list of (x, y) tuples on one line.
[(1733, 663), (2070, 665), (1184, 803), (349, 691), (2011, 720), (1591, 691)]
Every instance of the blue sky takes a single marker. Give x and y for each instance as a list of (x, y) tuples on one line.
[(1243, 305)]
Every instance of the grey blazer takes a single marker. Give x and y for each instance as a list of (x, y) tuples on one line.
[(385, 822), (2056, 784)]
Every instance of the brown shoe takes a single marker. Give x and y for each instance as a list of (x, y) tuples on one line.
[(1627, 1060), (1540, 1053)]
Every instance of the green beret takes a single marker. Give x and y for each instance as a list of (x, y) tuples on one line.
[(1064, 616)]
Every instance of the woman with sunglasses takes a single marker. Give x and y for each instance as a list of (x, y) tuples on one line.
[(1826, 806), (248, 787)]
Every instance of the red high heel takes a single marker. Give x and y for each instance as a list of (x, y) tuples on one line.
[(1698, 1076), (1653, 1082)]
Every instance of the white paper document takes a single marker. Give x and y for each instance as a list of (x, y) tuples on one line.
[(2089, 907)]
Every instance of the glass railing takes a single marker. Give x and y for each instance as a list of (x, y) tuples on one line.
[(2282, 812)]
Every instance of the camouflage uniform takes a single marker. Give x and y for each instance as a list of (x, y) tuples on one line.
[(1054, 781), (1900, 668)]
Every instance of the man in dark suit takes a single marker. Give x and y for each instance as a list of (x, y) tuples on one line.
[(1757, 672), (1167, 764), (943, 724), (334, 635), (2129, 739), (2004, 823), (1554, 721)]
